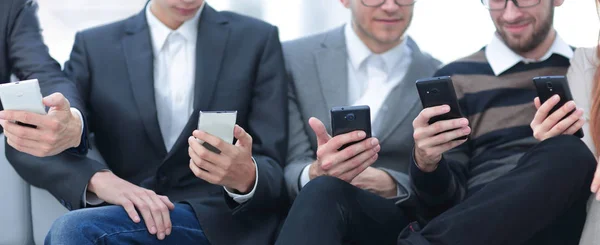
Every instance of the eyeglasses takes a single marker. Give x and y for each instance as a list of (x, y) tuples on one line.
[(378, 3), (501, 4)]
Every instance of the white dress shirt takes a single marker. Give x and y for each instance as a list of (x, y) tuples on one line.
[(174, 80), (371, 77), (502, 58)]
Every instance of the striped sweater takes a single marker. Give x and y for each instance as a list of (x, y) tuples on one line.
[(500, 109)]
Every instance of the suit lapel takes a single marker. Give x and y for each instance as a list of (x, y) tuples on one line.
[(210, 50), (139, 56), (404, 97), (333, 70)]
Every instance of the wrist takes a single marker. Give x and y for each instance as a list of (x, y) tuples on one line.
[(97, 179), (248, 185), (426, 166)]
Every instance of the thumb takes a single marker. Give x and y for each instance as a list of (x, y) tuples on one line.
[(244, 139), (57, 101), (320, 131)]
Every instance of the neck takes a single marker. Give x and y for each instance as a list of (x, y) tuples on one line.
[(162, 16), (538, 52), (375, 46)]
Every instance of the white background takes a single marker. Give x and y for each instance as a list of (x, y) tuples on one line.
[(448, 29)]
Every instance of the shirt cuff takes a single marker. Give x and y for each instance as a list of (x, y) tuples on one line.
[(305, 176), (90, 198), (244, 198)]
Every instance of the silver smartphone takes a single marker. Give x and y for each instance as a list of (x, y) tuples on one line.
[(22, 96), (217, 123)]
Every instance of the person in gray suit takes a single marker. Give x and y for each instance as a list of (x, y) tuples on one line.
[(369, 61)]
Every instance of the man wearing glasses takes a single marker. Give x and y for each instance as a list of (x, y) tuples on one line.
[(369, 61), (502, 187)]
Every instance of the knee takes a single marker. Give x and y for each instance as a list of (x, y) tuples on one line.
[(571, 155), (326, 187), (71, 228)]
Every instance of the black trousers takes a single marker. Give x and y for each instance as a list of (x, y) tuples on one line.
[(542, 201)]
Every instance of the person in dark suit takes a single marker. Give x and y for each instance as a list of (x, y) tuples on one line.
[(144, 81), (24, 54)]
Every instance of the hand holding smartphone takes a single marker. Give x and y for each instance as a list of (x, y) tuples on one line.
[(219, 124), (439, 91), (548, 86)]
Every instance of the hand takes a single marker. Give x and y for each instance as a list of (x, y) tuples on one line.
[(431, 141), (345, 164), (545, 126), (233, 168), (154, 208), (376, 181), (596, 182), (55, 132)]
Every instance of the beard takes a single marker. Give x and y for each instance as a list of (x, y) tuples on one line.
[(525, 44)]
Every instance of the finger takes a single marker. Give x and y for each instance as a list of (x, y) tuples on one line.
[(558, 115), (440, 149), (244, 139), (144, 208), (349, 152), (537, 103), (165, 216), (565, 124), (156, 214), (596, 181), (343, 167), (426, 114), (575, 127), (338, 141), (58, 101), (443, 138), (204, 164), (351, 175), (23, 132), (224, 147), (20, 148), (320, 131), (130, 209), (201, 173), (167, 202), (202, 152), (22, 116), (544, 110), (432, 130)]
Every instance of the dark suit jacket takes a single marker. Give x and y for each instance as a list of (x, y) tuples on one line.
[(23, 52), (239, 66)]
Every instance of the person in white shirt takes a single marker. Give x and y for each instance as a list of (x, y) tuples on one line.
[(143, 82), (368, 61)]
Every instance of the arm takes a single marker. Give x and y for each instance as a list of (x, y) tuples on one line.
[(64, 175), (266, 124)]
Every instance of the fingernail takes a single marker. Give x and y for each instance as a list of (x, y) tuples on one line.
[(556, 97), (169, 231), (377, 149), (361, 134), (374, 142), (153, 230), (161, 236), (446, 108), (136, 219), (464, 122)]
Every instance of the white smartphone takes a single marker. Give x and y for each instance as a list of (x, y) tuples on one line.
[(22, 96), (219, 124)]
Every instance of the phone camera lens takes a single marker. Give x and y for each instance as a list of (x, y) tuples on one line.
[(435, 91), (350, 117), (549, 85)]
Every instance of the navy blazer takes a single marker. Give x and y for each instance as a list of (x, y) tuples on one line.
[(239, 66)]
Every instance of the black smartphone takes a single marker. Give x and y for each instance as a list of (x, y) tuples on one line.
[(345, 119), (438, 91), (548, 86)]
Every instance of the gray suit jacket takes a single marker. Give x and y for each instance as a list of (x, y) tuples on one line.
[(317, 66)]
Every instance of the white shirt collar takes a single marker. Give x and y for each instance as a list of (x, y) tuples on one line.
[(502, 58), (358, 52), (160, 32)]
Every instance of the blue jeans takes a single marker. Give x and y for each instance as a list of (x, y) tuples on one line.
[(112, 225)]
